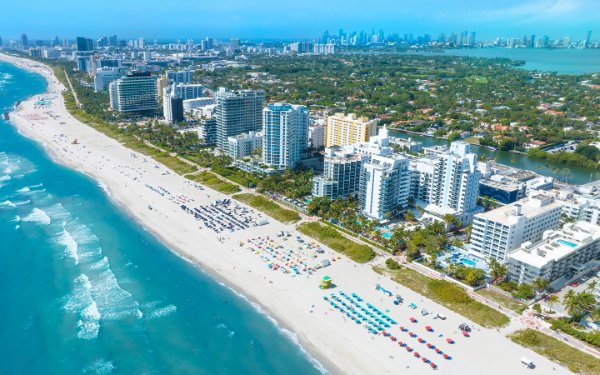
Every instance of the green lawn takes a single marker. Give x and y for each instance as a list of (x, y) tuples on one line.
[(211, 180), (268, 207), (576, 360), (509, 303), (448, 294), (334, 239)]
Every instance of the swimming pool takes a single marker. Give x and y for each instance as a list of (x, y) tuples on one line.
[(468, 262), (567, 243), (386, 235)]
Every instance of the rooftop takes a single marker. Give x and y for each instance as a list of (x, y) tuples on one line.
[(528, 207), (557, 244)]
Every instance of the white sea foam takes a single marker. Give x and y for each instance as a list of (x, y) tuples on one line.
[(113, 301), (7, 203), (71, 246), (36, 185), (291, 335), (24, 190), (162, 312), (100, 367), (38, 216), (81, 301), (89, 324), (5, 178), (57, 212), (17, 218)]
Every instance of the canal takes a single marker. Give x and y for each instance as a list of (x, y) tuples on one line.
[(571, 175)]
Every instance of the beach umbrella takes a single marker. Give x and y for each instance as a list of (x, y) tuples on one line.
[(410, 334), (449, 341), (424, 359), (402, 328), (416, 354), (393, 338), (433, 365), (437, 350), (429, 345), (420, 340), (409, 349), (413, 320), (446, 356), (428, 328), (401, 343)]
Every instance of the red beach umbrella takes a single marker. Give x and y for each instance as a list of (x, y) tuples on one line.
[(429, 345), (420, 339), (408, 348), (428, 328), (437, 350), (433, 365), (416, 354), (449, 341), (424, 359), (446, 356)]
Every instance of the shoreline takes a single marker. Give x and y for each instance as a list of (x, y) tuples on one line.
[(328, 339), (315, 357)]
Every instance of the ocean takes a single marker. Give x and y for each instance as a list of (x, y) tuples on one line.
[(86, 290)]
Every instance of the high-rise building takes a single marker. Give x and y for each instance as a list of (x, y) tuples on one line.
[(113, 41), (384, 186), (84, 44), (448, 179), (588, 38), (316, 136), (183, 76), (189, 91), (238, 112), (341, 173), (104, 76), (134, 92), (346, 130), (0, 41), (234, 43), (172, 106), (285, 134), (497, 232), (24, 41)]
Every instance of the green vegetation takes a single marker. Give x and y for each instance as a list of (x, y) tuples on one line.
[(574, 359), (580, 304), (211, 180), (335, 240), (265, 205), (563, 158), (450, 295), (569, 328), (503, 300), (470, 275), (392, 264)]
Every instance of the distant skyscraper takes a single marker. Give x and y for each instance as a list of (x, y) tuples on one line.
[(235, 43), (238, 112), (134, 92), (84, 44), (24, 40), (113, 41), (183, 76), (285, 132), (588, 38)]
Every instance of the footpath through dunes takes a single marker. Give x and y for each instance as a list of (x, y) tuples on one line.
[(281, 275)]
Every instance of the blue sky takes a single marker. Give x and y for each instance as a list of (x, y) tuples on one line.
[(296, 19)]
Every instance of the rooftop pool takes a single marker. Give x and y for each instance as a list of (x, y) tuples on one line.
[(566, 243)]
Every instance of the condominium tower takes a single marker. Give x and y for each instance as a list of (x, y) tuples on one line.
[(285, 131), (238, 112), (346, 130), (134, 92), (384, 186)]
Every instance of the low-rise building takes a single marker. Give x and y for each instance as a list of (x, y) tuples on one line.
[(561, 253), (244, 144)]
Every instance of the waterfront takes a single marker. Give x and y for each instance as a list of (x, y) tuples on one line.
[(88, 290), (572, 175)]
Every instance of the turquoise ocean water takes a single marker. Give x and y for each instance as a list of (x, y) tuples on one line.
[(85, 290)]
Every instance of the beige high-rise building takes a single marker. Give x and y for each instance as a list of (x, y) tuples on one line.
[(161, 83), (346, 130)]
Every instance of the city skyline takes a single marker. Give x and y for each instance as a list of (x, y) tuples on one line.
[(267, 20)]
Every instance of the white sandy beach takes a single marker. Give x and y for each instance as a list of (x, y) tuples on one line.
[(342, 345)]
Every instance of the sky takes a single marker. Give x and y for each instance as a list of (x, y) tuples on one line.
[(296, 19)]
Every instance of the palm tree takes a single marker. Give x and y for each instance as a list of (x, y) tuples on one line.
[(540, 284), (497, 270), (552, 300), (570, 302)]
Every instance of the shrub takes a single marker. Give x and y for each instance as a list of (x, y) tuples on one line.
[(392, 264)]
